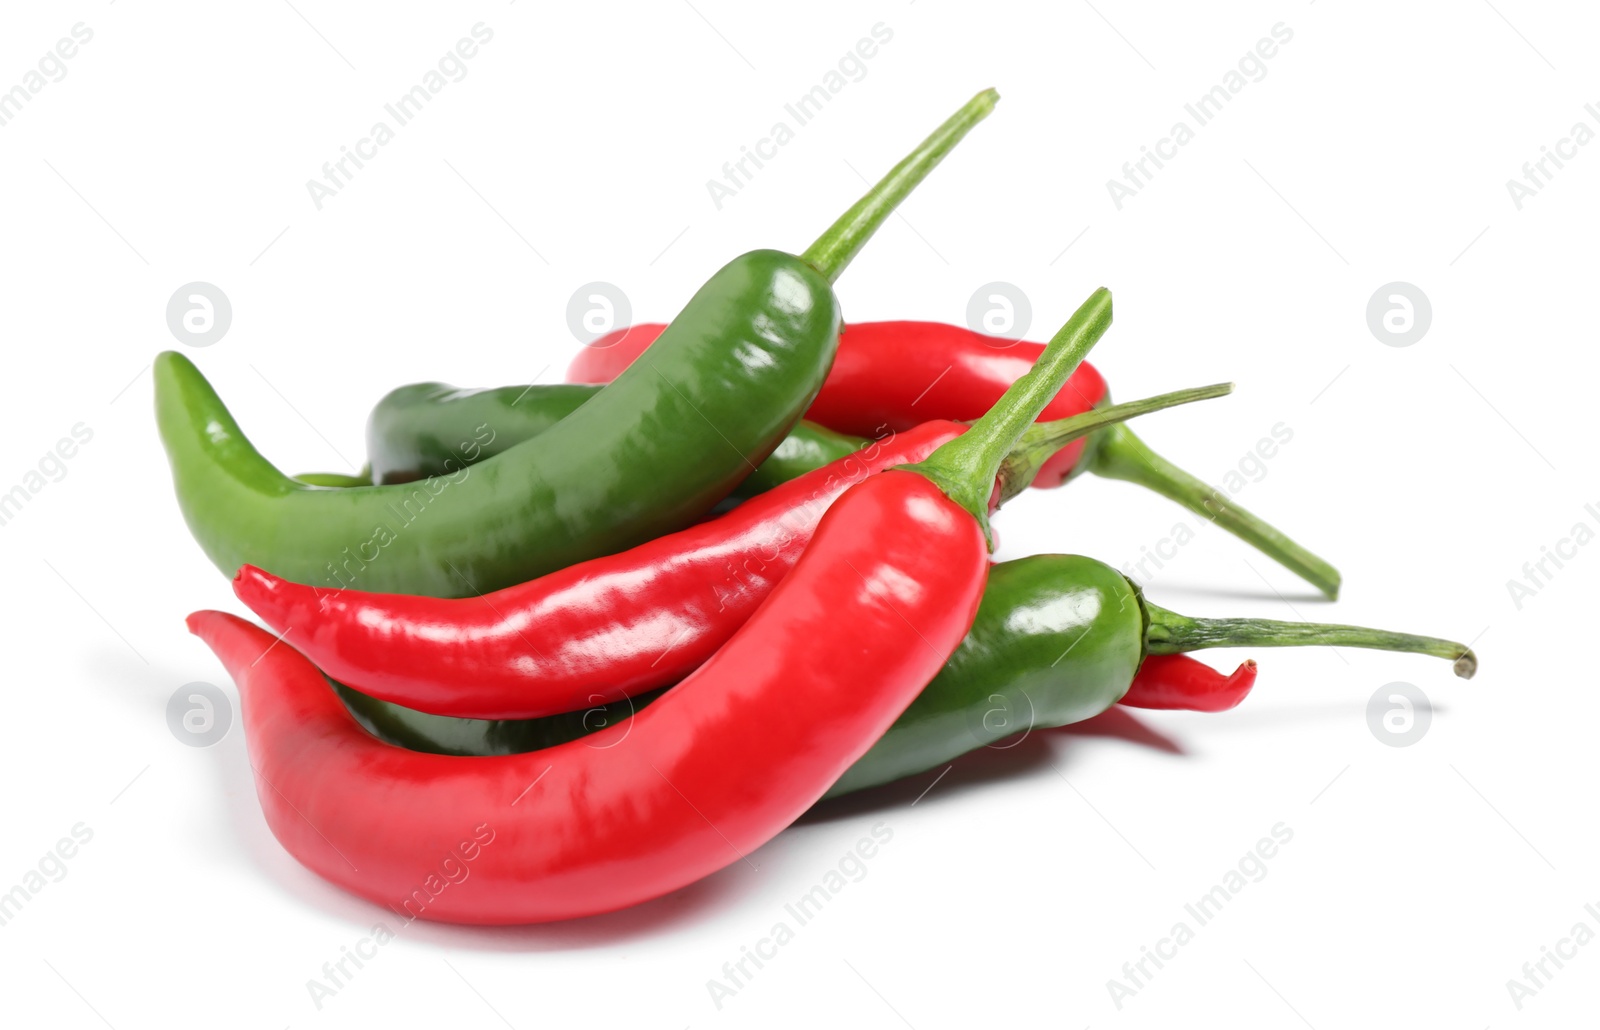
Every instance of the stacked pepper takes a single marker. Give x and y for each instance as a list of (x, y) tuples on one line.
[(737, 565)]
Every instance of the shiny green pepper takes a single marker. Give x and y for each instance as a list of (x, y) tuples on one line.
[(727, 380), (433, 429), (1058, 639)]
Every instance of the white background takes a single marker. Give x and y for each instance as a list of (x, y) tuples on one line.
[(1376, 149)]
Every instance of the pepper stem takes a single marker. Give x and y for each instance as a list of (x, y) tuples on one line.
[(1171, 633), (966, 467), (1122, 455), (1040, 441), (835, 248)]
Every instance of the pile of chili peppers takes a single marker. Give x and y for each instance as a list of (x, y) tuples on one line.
[(602, 639)]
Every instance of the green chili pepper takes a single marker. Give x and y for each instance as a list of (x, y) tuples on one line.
[(721, 388), (446, 735), (1058, 639), (336, 479), (807, 447), (433, 429)]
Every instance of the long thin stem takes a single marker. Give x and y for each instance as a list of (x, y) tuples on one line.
[(844, 238), (965, 468), (1122, 455), (1040, 441), (1171, 633)]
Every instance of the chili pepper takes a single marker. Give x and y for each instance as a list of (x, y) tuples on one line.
[(889, 375), (613, 626), (433, 429), (715, 768), (337, 480), (1178, 681), (451, 735), (1057, 640), (726, 382), (807, 448), (1060, 638)]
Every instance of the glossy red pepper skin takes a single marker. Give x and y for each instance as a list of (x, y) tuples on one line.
[(1058, 639), (1176, 681), (592, 633), (697, 781), (894, 375), (615, 626)]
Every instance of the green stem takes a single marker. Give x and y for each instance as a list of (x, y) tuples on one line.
[(1040, 441), (1122, 455), (835, 248), (1171, 633), (966, 467)]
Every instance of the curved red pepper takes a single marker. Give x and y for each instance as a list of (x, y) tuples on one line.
[(595, 632), (1176, 681), (894, 375), (696, 781), (616, 626)]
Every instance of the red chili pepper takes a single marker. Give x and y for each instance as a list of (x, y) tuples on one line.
[(699, 779), (612, 627), (595, 632), (1176, 681), (943, 370), (706, 774), (895, 374)]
